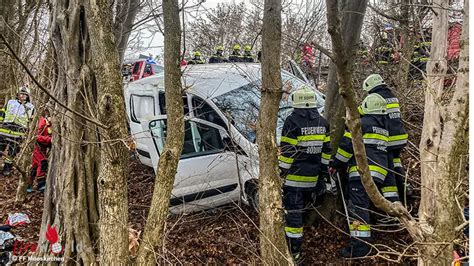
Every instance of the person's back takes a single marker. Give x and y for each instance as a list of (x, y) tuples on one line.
[(247, 57), (304, 156), (196, 59), (235, 56)]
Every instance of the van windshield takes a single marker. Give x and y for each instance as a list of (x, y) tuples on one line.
[(241, 106)]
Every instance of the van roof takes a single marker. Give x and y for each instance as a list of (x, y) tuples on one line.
[(207, 80)]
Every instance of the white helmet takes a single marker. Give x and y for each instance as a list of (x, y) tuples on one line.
[(304, 97), (372, 81), (374, 104), (23, 90)]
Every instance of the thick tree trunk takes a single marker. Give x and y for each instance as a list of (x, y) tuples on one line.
[(273, 245), (70, 197), (154, 232), (112, 180), (443, 147)]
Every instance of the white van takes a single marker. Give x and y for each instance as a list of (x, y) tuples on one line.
[(219, 163)]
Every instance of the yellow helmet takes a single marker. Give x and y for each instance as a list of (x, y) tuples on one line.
[(304, 97), (372, 81), (197, 53), (374, 104), (248, 48), (220, 48), (237, 47)]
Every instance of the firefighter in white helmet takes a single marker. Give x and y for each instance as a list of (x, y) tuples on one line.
[(18, 114), (305, 151)]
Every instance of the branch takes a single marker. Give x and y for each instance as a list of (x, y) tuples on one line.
[(323, 50), (45, 90), (383, 14)]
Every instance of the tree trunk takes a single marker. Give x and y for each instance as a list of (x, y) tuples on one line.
[(113, 170), (273, 245), (443, 147), (154, 232), (352, 20), (127, 11), (70, 196)]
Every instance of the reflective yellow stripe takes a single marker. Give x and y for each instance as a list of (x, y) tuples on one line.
[(360, 227), (327, 138), (371, 168), (398, 137), (361, 112), (348, 135), (14, 133), (326, 156), (397, 160), (393, 105), (294, 230), (285, 159), (375, 136), (390, 189), (344, 153), (301, 178), (288, 140), (311, 137)]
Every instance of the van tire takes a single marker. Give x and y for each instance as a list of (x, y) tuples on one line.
[(251, 190)]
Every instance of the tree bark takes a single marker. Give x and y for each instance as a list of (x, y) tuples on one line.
[(113, 170), (443, 147), (70, 196), (273, 245), (153, 236)]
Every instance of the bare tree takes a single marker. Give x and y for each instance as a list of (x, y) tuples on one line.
[(154, 232), (113, 169), (273, 245), (443, 147)]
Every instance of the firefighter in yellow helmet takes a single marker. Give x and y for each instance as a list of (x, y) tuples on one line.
[(236, 56)]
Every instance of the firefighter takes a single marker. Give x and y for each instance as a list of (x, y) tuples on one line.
[(18, 113), (375, 137), (398, 136), (218, 57), (236, 56), (197, 59), (247, 57), (39, 166), (304, 157)]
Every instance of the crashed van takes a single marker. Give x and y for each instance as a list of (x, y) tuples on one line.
[(219, 162)]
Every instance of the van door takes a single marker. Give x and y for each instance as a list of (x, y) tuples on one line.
[(207, 172), (141, 106)]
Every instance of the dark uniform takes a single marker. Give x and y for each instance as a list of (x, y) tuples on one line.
[(375, 137), (195, 61), (217, 58), (247, 57), (398, 139), (236, 57), (305, 153)]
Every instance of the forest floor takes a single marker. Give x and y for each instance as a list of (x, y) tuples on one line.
[(225, 235)]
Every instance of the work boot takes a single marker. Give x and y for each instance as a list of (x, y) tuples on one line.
[(297, 258), (7, 169), (355, 249), (29, 189), (41, 186)]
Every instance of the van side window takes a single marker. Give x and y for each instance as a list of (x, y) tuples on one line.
[(162, 102), (141, 107), (199, 139), (204, 111)]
